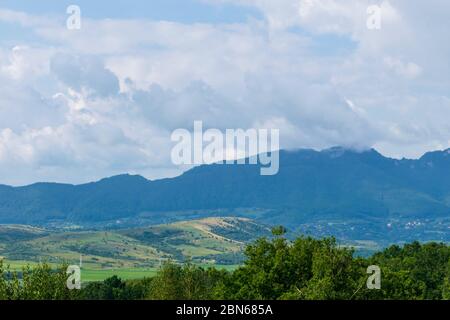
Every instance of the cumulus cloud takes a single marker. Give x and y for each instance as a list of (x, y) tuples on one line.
[(79, 105), (83, 73)]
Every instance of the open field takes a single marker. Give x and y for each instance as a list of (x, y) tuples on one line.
[(92, 274), (216, 241), (89, 275), (136, 253)]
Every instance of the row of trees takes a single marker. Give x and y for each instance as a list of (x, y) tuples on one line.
[(275, 268), (313, 269)]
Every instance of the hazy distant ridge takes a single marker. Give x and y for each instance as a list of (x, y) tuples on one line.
[(310, 185)]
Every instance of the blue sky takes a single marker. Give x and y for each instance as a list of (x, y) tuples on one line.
[(187, 11), (79, 105)]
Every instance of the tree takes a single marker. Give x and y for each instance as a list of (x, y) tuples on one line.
[(446, 286), (335, 275), (187, 282), (38, 283), (279, 231)]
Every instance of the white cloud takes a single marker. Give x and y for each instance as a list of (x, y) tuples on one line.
[(104, 100), (409, 70)]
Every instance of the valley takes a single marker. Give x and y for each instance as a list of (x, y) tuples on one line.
[(137, 252), (132, 252), (208, 214)]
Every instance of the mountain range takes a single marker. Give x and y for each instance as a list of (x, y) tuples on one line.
[(353, 194)]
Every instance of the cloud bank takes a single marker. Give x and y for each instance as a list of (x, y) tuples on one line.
[(79, 105)]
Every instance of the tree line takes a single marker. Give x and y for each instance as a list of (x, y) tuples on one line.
[(274, 269)]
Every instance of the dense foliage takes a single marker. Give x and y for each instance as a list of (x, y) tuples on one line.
[(39, 283), (275, 268)]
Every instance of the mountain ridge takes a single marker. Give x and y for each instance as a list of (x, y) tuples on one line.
[(332, 184), (326, 150)]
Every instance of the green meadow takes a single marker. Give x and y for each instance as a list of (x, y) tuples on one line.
[(133, 253)]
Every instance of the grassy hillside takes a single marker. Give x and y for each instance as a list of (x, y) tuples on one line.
[(12, 233), (209, 241)]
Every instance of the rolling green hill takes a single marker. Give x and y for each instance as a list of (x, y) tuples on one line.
[(211, 240), (13, 233)]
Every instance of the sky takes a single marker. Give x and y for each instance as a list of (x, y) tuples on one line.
[(80, 105)]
